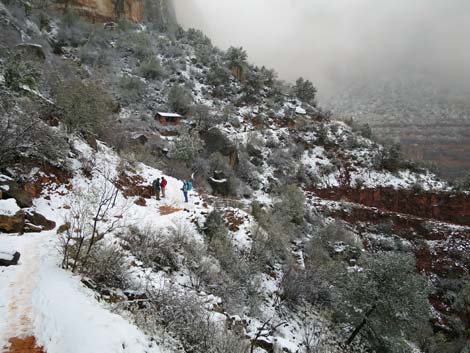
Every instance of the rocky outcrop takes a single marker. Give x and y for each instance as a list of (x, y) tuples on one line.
[(447, 207), (161, 11), (25, 222), (12, 189), (134, 185), (107, 10), (12, 223), (36, 222)]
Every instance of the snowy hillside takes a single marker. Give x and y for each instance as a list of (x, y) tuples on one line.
[(39, 299), (302, 234)]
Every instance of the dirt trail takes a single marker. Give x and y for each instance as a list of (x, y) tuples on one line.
[(24, 345), (166, 210)]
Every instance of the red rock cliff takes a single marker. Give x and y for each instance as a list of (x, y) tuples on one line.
[(109, 10), (443, 206)]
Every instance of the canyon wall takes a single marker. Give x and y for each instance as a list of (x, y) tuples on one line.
[(158, 11), (442, 206)]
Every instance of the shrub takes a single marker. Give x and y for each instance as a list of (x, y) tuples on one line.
[(138, 43), (73, 31), (463, 184), (179, 99), (305, 91), (214, 226), (335, 232), (95, 56), (291, 205), (151, 68), (201, 116), (392, 157), (246, 171), (107, 267), (186, 147), (155, 249), (85, 106), (386, 302), (236, 57), (270, 242), (19, 73), (306, 286), (23, 133), (124, 24), (365, 130), (185, 317), (132, 89)]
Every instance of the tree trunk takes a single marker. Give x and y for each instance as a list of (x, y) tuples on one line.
[(360, 326)]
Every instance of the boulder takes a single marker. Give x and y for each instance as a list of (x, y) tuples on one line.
[(9, 259), (12, 223), (14, 190), (21, 222), (30, 51), (263, 344), (38, 222)]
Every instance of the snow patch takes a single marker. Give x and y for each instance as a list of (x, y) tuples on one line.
[(8, 207)]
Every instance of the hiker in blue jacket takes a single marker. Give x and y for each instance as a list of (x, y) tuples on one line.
[(157, 188), (187, 187)]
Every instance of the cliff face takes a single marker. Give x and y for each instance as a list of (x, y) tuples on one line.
[(442, 206), (134, 10)]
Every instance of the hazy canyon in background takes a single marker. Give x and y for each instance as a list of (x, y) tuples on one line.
[(402, 66)]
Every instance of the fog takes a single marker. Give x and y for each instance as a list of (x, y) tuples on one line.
[(333, 42)]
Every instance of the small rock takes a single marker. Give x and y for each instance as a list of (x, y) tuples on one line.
[(12, 261)]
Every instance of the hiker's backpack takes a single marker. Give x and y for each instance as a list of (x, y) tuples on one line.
[(155, 185), (189, 186)]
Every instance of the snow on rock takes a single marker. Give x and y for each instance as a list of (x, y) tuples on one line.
[(4, 178), (8, 207), (218, 181), (6, 255)]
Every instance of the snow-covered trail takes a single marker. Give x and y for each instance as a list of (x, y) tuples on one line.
[(38, 298), (18, 284)]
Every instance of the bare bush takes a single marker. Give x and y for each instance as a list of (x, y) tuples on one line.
[(156, 249), (84, 107), (28, 136), (184, 317), (107, 266), (93, 215)]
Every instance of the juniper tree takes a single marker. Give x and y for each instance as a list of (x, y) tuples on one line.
[(386, 303), (179, 99), (305, 91), (236, 57)]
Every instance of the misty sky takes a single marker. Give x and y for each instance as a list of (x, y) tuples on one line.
[(336, 41)]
